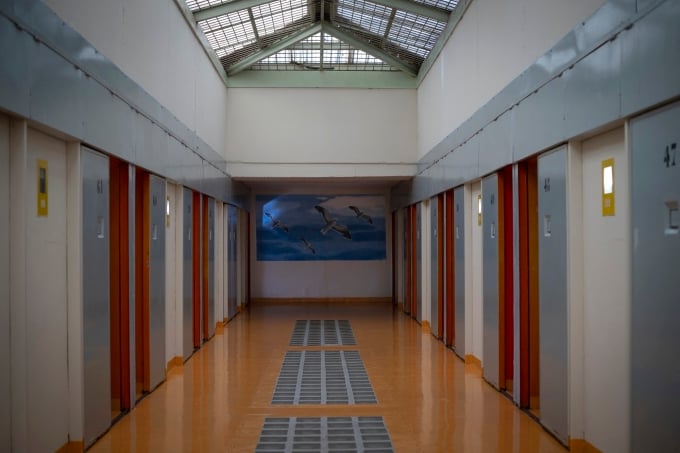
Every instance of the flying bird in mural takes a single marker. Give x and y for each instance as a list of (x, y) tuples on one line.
[(361, 215), (332, 224), (308, 246), (277, 224)]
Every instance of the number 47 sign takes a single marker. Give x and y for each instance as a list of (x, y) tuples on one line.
[(669, 155)]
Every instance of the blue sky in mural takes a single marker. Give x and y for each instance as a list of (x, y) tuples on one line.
[(320, 227)]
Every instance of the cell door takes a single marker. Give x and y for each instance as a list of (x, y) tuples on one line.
[(156, 281), (232, 218), (449, 270), (490, 259), (96, 292), (655, 336), (459, 267), (552, 256), (211, 267), (419, 263), (187, 274), (434, 267)]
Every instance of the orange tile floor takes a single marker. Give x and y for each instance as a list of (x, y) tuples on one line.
[(430, 400)]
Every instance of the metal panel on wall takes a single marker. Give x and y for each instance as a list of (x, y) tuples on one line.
[(419, 262), (459, 267), (232, 218), (187, 275), (157, 281), (434, 271), (655, 337), (490, 277), (211, 267), (96, 316), (552, 258)]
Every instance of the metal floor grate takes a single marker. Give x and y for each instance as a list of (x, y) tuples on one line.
[(323, 377), (324, 434), (327, 332)]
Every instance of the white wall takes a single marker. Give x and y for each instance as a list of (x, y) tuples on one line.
[(493, 43), (476, 314), (173, 304), (323, 279), (5, 435), (152, 43), (607, 296), (323, 126)]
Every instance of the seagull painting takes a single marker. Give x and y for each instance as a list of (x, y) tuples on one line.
[(277, 224), (332, 224), (308, 246), (361, 215)]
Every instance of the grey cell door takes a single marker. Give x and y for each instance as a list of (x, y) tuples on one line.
[(232, 218), (655, 333), (156, 281), (552, 259), (490, 277), (459, 269), (434, 264), (419, 263), (96, 293), (187, 274), (211, 267)]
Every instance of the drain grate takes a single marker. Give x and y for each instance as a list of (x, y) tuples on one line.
[(323, 377), (327, 332), (324, 434)]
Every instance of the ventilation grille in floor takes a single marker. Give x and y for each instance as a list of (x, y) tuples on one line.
[(328, 332), (325, 434), (323, 377)]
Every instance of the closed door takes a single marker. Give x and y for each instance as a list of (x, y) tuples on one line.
[(434, 268), (156, 234), (459, 267), (187, 273), (553, 335), (490, 259)]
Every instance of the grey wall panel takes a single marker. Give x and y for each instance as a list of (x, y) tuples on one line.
[(592, 93), (650, 67), (490, 261), (459, 268), (157, 281), (187, 274), (655, 337), (434, 268), (211, 267), (96, 318), (545, 104), (552, 258), (14, 90), (419, 261), (150, 144), (495, 144)]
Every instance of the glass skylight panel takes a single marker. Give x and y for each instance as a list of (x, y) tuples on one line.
[(367, 15), (448, 5), (228, 32), (197, 5), (276, 15), (415, 33)]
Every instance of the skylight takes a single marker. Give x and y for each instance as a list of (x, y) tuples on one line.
[(285, 35)]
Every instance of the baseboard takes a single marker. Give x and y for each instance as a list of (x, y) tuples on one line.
[(472, 360), (582, 446), (72, 447), (316, 300), (174, 363), (219, 328), (426, 326)]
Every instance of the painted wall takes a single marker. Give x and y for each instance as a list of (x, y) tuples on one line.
[(319, 126), (477, 318), (5, 372), (493, 43), (607, 296), (323, 279), (152, 43)]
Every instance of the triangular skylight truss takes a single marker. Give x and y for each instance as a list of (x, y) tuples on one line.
[(347, 35)]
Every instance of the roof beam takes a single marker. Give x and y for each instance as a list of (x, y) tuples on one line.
[(370, 49), (227, 8), (274, 48), (420, 9)]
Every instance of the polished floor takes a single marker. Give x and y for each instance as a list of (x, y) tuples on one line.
[(430, 400)]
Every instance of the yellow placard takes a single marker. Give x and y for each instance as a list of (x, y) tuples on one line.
[(42, 188), (479, 209), (608, 198)]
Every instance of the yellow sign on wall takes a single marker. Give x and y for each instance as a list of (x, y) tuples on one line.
[(608, 199), (479, 209), (42, 188)]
